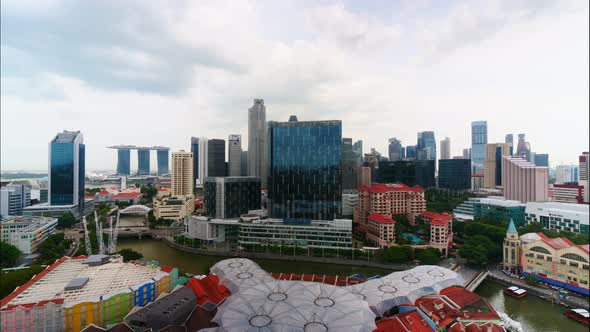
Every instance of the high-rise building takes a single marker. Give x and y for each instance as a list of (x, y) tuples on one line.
[(357, 148), (445, 148), (234, 146), (479, 139), (363, 176), (244, 164), (305, 179), (566, 193), (257, 137), (454, 174), (563, 174), (230, 197), (162, 157), (411, 152), (467, 153), (143, 161), (389, 200), (395, 149), (124, 162), (541, 159), (13, 199), (410, 172), (182, 173), (67, 169), (426, 147), (216, 157), (523, 181), (493, 164), (523, 149), (349, 165), (584, 175), (510, 140), (199, 149)]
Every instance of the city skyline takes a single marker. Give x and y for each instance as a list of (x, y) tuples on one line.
[(386, 72)]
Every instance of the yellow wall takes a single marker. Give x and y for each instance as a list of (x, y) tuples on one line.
[(163, 285), (82, 314)]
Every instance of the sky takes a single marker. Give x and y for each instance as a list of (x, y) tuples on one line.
[(158, 72)]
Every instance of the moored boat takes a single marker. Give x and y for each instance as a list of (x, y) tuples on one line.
[(515, 292), (580, 315)]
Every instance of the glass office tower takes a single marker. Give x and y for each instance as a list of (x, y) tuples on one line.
[(426, 147), (67, 169), (349, 165), (479, 139), (305, 180), (143, 162), (216, 158), (124, 162), (163, 156)]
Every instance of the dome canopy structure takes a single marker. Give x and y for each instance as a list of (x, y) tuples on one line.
[(295, 306), (404, 287), (236, 273)]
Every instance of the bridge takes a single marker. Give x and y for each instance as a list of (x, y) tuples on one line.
[(143, 159)]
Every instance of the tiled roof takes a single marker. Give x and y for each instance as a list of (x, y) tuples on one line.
[(556, 243), (126, 195), (383, 188), (410, 321), (437, 218), (380, 218)]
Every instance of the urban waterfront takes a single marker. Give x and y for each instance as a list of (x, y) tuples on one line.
[(533, 313)]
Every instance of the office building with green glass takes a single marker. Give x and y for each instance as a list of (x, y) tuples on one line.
[(498, 209)]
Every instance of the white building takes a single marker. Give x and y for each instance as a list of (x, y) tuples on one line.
[(559, 216), (564, 174), (445, 148), (350, 200), (257, 131), (13, 199), (27, 233)]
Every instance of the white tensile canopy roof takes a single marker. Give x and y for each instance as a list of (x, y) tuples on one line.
[(405, 287), (295, 306), (236, 273)]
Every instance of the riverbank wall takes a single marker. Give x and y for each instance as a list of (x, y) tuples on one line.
[(329, 260), (544, 294)]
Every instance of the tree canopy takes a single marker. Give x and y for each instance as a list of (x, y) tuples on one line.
[(9, 254), (66, 220), (479, 249), (130, 255)]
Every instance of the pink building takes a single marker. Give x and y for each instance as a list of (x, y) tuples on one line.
[(441, 230), (380, 230), (389, 200), (523, 181)]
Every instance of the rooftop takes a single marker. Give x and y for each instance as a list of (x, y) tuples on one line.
[(381, 218), (382, 188)]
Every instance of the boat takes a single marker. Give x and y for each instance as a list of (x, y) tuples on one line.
[(515, 292), (580, 315)]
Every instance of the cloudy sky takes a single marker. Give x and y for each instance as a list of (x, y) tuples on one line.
[(159, 72)]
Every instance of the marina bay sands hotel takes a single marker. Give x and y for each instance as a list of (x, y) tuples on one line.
[(143, 159)]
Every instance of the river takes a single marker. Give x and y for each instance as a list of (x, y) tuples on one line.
[(533, 313)]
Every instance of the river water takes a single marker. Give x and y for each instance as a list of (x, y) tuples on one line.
[(533, 313)]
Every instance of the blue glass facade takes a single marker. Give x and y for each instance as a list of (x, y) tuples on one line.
[(143, 162), (410, 151), (162, 162), (67, 168), (426, 147), (123, 161), (479, 139), (454, 174), (305, 180)]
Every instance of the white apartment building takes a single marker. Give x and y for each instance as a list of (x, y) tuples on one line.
[(559, 216), (27, 233)]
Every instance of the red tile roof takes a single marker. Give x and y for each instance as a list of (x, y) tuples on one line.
[(208, 289), (383, 188), (437, 218), (381, 218), (167, 268), (126, 195), (585, 248), (556, 243), (477, 175), (410, 321), (103, 192)]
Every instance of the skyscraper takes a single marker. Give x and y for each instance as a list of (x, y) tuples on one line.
[(357, 148), (162, 157), (411, 152), (395, 149), (13, 199), (234, 146), (426, 147), (143, 161), (123, 162), (479, 139), (454, 174), (67, 169), (305, 179), (510, 140), (584, 175), (196, 156), (182, 173), (523, 181), (542, 159), (493, 165), (564, 174), (244, 164), (523, 148), (216, 157), (467, 153), (257, 136), (349, 165), (445, 148), (200, 151)]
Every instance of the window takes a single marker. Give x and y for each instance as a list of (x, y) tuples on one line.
[(575, 257)]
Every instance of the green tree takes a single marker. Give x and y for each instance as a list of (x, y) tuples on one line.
[(13, 279), (66, 220), (148, 194), (478, 249), (9, 254), (397, 254), (428, 256), (130, 255), (53, 248)]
